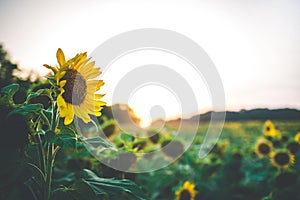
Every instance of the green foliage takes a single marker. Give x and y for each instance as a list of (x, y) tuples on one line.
[(126, 137), (28, 170), (33, 138), (29, 109), (232, 170), (9, 91), (89, 186)]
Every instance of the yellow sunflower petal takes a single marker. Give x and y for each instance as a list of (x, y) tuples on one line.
[(61, 105), (186, 184), (81, 113), (94, 104), (92, 74), (97, 114), (99, 96), (62, 83), (100, 103), (187, 187), (69, 115), (297, 137), (60, 57), (54, 69), (177, 192), (92, 107), (94, 85), (77, 59), (87, 67), (59, 75), (81, 62)]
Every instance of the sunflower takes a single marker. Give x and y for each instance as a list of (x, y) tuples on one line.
[(172, 148), (186, 192), (297, 137), (263, 148), (293, 147), (270, 131), (76, 83), (282, 159)]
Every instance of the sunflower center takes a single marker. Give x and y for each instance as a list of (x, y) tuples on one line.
[(264, 149), (282, 159), (284, 138), (293, 147), (276, 143), (75, 87), (185, 195)]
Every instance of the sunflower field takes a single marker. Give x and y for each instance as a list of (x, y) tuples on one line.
[(45, 156), (252, 160)]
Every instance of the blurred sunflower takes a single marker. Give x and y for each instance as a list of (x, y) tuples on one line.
[(153, 136), (76, 89), (263, 148), (172, 148), (186, 192), (297, 137), (270, 131), (293, 147), (276, 143), (282, 159)]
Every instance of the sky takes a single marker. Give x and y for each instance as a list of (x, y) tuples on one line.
[(255, 45)]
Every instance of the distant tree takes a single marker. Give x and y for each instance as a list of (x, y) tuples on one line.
[(6, 68), (8, 75)]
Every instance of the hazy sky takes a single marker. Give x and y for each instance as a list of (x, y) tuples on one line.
[(255, 45)]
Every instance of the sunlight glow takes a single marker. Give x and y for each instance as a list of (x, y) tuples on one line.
[(255, 46)]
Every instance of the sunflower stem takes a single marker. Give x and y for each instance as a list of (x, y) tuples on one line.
[(49, 171), (54, 117), (42, 154), (44, 117), (51, 153)]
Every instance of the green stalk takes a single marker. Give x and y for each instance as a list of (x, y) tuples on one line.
[(50, 155), (50, 162), (41, 153), (49, 172)]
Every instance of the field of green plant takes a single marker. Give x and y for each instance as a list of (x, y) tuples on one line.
[(45, 155), (239, 166)]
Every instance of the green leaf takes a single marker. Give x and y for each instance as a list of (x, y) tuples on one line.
[(11, 89), (67, 131), (96, 142), (37, 93), (51, 137), (27, 109), (88, 185), (77, 192), (126, 137), (67, 138), (114, 189), (48, 114)]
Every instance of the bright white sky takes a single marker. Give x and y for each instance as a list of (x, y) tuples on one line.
[(255, 45)]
